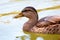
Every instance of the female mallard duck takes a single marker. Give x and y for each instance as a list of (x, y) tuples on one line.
[(48, 25)]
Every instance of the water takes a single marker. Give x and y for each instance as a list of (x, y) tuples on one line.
[(11, 29)]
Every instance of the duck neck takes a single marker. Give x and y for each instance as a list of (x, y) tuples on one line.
[(31, 22)]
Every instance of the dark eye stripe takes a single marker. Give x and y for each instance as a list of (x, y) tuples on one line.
[(26, 10)]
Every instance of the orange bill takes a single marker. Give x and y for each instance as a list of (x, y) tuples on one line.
[(19, 15)]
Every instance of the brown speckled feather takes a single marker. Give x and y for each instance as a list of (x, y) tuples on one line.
[(50, 25)]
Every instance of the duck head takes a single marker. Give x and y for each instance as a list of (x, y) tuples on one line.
[(28, 12)]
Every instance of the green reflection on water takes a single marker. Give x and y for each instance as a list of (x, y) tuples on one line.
[(34, 36)]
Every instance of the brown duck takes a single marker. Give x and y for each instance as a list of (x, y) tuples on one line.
[(48, 25)]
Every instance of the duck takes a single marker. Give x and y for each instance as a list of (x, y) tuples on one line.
[(46, 25)]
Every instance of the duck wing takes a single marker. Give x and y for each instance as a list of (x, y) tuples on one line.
[(49, 20), (48, 25)]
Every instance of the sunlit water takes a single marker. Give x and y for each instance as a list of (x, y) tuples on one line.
[(11, 29)]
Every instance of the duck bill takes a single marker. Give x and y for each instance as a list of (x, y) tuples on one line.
[(19, 15)]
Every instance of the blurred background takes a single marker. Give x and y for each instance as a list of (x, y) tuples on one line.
[(10, 27)]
